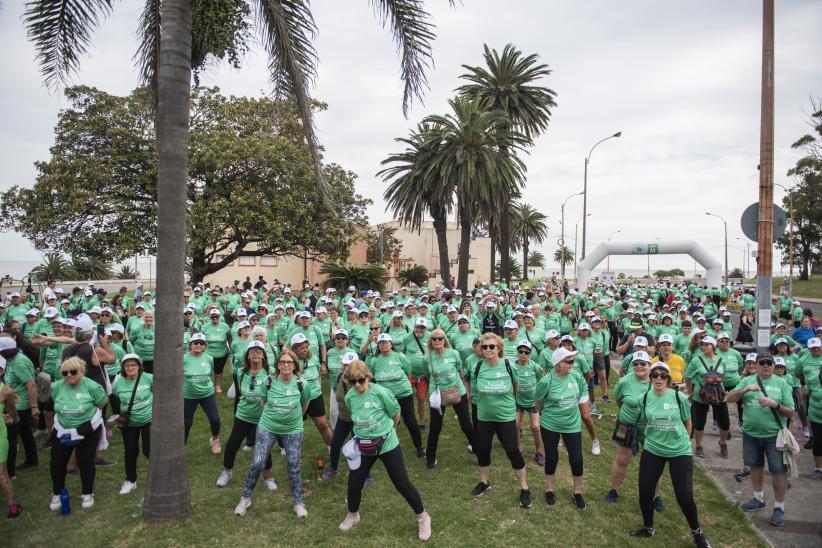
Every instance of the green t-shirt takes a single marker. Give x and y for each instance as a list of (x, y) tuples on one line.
[(143, 398), (50, 356), (197, 370), (283, 410), (629, 392), (19, 371), (462, 342), (334, 359), (469, 366), (113, 368), (391, 371), (696, 370), (759, 421), (74, 405), (372, 413), (217, 339), (495, 392), (561, 396), (310, 375), (734, 364), (445, 371), (664, 418), (416, 350), (814, 385), (527, 375), (142, 339), (251, 395), (808, 365)]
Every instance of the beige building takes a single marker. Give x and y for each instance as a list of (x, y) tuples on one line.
[(420, 248)]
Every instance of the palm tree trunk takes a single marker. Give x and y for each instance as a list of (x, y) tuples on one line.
[(465, 242), (440, 228), (167, 494), (493, 275), (505, 243), (525, 260)]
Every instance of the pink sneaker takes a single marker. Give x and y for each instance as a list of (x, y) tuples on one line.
[(424, 526), (350, 521)]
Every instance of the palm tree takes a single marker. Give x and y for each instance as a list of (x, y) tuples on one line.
[(563, 255), (513, 268), (127, 273), (54, 267), (414, 275), (536, 259), (90, 268), (61, 31), (417, 188), (471, 160), (528, 225), (367, 276), (508, 84)]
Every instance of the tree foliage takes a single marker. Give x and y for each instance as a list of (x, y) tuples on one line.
[(249, 190), (53, 267), (382, 245), (674, 272), (536, 259), (513, 267), (91, 267), (736, 273), (414, 275), (342, 275), (563, 255)]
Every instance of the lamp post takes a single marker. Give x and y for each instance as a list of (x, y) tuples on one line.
[(562, 237), (576, 229), (609, 255), (585, 188), (746, 265), (790, 237), (720, 217)]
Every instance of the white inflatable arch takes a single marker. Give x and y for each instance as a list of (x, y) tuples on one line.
[(689, 247)]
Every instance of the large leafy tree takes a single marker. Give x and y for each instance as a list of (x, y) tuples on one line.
[(529, 225), (509, 83), (62, 31), (382, 245)]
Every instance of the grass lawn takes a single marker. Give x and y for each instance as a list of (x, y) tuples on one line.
[(458, 518), (811, 287)]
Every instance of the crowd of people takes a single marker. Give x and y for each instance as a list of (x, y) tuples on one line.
[(544, 359)]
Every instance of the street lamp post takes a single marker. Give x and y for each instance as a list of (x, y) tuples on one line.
[(585, 188), (576, 229), (790, 237), (726, 241), (562, 237), (746, 265), (609, 255)]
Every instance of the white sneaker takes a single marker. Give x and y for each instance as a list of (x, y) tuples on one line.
[(242, 506), (87, 501), (225, 475), (806, 432), (55, 503), (248, 448), (300, 510), (270, 484), (593, 409), (282, 451), (595, 448), (350, 521), (128, 487), (112, 419)]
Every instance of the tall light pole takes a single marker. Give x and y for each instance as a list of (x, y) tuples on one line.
[(746, 266), (790, 236), (609, 255), (562, 237), (720, 217), (585, 188), (576, 229)]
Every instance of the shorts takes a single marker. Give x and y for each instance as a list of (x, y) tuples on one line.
[(754, 451), (420, 385), (219, 365), (599, 363), (316, 408), (532, 409)]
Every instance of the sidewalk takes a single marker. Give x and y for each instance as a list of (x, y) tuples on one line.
[(803, 502)]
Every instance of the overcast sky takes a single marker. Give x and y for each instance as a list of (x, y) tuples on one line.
[(681, 80)]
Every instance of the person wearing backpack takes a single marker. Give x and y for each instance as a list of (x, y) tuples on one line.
[(768, 400), (496, 389), (667, 419), (704, 379)]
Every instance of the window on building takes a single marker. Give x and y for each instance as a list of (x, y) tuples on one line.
[(248, 261), (266, 260)]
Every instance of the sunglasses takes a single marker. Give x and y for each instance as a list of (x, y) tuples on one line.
[(360, 381), (640, 364), (340, 337), (489, 347), (569, 361), (437, 339), (198, 342), (72, 372), (526, 352), (660, 376), (374, 329), (286, 362), (766, 364)]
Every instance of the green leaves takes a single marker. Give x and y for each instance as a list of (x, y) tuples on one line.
[(341, 275), (414, 275)]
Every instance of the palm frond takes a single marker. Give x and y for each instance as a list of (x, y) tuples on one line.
[(412, 30), (61, 31), (148, 54)]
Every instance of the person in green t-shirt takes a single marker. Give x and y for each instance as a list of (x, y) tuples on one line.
[(814, 385), (375, 413), (141, 336), (768, 401), (695, 373), (137, 385), (19, 376), (529, 373), (285, 400), (309, 366), (667, 420), (9, 411), (335, 366), (218, 337), (198, 389)]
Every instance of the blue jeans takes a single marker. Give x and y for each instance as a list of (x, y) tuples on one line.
[(292, 444), (754, 451)]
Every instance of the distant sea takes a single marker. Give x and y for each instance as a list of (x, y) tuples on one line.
[(19, 269)]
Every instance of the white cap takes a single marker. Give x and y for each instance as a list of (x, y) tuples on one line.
[(33, 312), (116, 327), (287, 290), (341, 332), (389, 304), (421, 323), (139, 305), (665, 338), (589, 313), (349, 357), (640, 355), (198, 337), (397, 314), (87, 293), (7, 343), (751, 357), (243, 324), (214, 312), (352, 454), (255, 344), (814, 342), (524, 342), (596, 319), (65, 301), (551, 334), (707, 339), (134, 357), (384, 337), (298, 338), (241, 312), (304, 314), (462, 317), (584, 326), (352, 288), (723, 335), (510, 324), (641, 341), (561, 353), (84, 323), (661, 365), (796, 303), (451, 309), (779, 360), (321, 310), (567, 338), (490, 304)]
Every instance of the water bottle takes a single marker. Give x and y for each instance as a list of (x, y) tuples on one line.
[(65, 503)]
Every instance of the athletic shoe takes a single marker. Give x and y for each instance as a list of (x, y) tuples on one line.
[(270, 484), (350, 521), (743, 474), (328, 473), (595, 448), (778, 517), (14, 510), (431, 465), (128, 487), (593, 409), (659, 506), (55, 503), (525, 498), (612, 496), (806, 432), (816, 475), (87, 501), (700, 540), (103, 462), (752, 505), (470, 449), (109, 434), (480, 489), (699, 452), (579, 501), (214, 443), (539, 458), (242, 506), (46, 445), (248, 447), (605, 399), (225, 475), (300, 510), (723, 450), (369, 479), (282, 451), (420, 452), (714, 427), (424, 526), (112, 419), (645, 532), (550, 499)]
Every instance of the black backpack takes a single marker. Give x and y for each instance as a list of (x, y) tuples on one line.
[(507, 368)]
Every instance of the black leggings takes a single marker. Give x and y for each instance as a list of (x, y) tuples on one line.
[(23, 429), (699, 414), (341, 431), (209, 405), (461, 409), (474, 415), (506, 434), (409, 417), (86, 452), (241, 430), (131, 439), (681, 470), (573, 443), (395, 467), (816, 432)]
